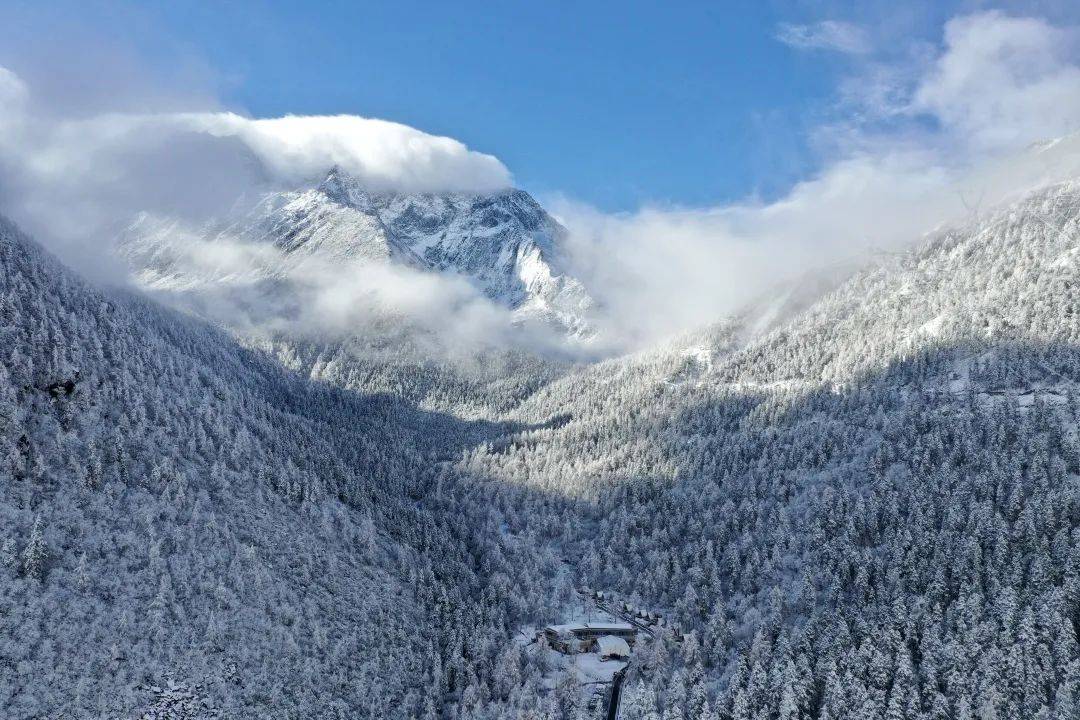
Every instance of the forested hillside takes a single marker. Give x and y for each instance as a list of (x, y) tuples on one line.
[(414, 361), (870, 510), (389, 361), (873, 511), (176, 508)]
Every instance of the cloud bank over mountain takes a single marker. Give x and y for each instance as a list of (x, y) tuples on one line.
[(71, 175), (78, 177), (919, 142), (382, 155), (920, 137)]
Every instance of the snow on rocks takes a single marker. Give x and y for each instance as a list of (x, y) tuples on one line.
[(178, 701)]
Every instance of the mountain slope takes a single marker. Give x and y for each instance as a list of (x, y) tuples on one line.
[(871, 511), (504, 245), (175, 507)]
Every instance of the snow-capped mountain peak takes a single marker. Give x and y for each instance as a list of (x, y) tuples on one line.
[(504, 244)]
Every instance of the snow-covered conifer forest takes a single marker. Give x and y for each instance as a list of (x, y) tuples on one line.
[(327, 419), (869, 510)]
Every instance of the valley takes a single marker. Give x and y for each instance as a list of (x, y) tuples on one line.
[(837, 513), (751, 391)]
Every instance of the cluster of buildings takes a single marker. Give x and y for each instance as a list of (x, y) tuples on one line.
[(610, 640)]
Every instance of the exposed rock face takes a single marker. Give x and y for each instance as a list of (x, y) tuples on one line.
[(504, 244)]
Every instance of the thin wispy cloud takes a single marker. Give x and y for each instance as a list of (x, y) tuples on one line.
[(834, 35)]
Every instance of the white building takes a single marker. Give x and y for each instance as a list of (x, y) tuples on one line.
[(582, 637), (610, 647)]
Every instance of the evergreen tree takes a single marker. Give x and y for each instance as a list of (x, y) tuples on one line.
[(36, 555)]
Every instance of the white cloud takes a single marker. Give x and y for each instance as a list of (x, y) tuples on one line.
[(259, 289), (77, 179), (72, 177), (667, 270), (997, 85), (382, 155), (13, 91), (1003, 80), (832, 35), (936, 134)]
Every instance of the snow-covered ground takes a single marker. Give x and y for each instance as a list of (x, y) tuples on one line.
[(587, 670)]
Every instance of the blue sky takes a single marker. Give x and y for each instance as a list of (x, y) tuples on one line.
[(613, 103), (617, 104), (696, 153)]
